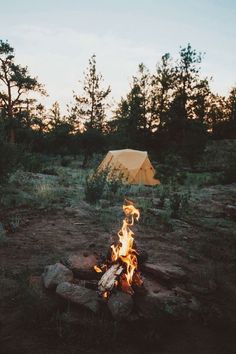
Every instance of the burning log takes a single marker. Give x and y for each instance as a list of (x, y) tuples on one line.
[(107, 281)]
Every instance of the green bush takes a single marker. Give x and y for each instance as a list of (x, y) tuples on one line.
[(114, 185), (31, 162), (13, 157), (95, 185), (171, 169), (10, 156), (178, 203)]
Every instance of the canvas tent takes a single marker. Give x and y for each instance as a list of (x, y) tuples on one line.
[(133, 166)]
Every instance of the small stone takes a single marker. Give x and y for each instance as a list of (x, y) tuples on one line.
[(56, 274), (120, 305), (79, 295)]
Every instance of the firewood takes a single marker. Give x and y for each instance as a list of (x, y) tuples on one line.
[(107, 281), (124, 285)]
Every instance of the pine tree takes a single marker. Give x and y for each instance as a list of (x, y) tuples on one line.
[(89, 110), (15, 83), (162, 85)]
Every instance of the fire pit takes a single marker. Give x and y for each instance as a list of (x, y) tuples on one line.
[(115, 282)]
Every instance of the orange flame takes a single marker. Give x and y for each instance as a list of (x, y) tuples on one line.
[(105, 295), (124, 250), (97, 269)]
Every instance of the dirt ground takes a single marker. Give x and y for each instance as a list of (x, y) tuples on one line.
[(206, 251)]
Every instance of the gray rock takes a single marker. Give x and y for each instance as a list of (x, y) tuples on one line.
[(79, 295), (165, 304), (56, 274), (120, 305), (166, 273)]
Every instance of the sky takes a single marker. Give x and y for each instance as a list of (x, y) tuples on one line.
[(56, 38)]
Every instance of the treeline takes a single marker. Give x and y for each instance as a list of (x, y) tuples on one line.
[(170, 110)]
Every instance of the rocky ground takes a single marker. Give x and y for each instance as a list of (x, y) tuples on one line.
[(201, 244)]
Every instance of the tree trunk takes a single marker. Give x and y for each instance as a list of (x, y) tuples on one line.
[(12, 133)]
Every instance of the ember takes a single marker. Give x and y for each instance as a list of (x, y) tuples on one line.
[(122, 268)]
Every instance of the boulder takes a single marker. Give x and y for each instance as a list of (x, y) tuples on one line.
[(79, 295), (155, 301), (165, 273), (82, 265), (120, 305), (56, 274), (165, 303)]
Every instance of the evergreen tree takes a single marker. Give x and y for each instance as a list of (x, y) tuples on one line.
[(162, 85), (132, 117), (201, 101), (89, 110), (231, 105), (15, 84), (142, 84), (187, 79), (223, 116), (186, 84), (217, 112)]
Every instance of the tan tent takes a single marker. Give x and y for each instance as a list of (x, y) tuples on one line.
[(133, 166)]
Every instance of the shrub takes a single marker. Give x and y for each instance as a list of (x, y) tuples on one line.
[(171, 169), (178, 203), (114, 184), (32, 162), (94, 186), (9, 159)]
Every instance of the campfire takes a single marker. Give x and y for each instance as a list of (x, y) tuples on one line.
[(121, 270), (118, 278)]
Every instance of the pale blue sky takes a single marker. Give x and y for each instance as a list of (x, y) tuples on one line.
[(55, 38)]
